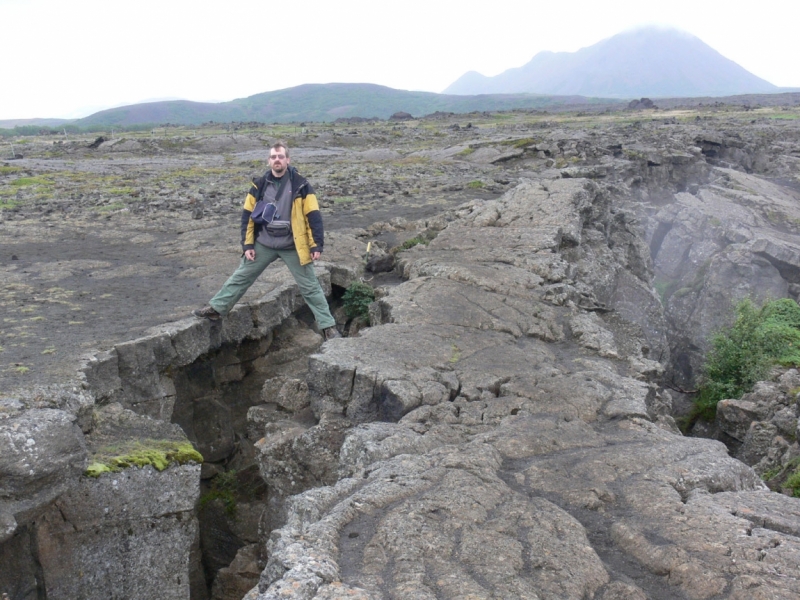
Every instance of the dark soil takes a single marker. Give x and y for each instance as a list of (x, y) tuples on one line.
[(99, 244)]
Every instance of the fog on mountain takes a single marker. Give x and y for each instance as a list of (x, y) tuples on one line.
[(650, 61)]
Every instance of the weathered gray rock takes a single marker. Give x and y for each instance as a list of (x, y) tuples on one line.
[(516, 370), (720, 245), (102, 534), (259, 416), (735, 416), (524, 463), (42, 452), (19, 575), (786, 421), (765, 422), (178, 372), (235, 580), (293, 458), (589, 332), (288, 393), (291, 344), (757, 442)]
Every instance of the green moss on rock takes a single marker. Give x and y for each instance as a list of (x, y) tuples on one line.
[(159, 454)]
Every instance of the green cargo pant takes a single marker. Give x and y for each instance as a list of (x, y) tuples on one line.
[(249, 270)]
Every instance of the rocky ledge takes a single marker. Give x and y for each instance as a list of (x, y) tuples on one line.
[(503, 430), (522, 448)]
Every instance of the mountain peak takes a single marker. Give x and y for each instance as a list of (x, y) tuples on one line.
[(652, 60)]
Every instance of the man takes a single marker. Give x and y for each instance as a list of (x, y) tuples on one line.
[(294, 234)]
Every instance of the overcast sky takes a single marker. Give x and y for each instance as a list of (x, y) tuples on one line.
[(69, 58)]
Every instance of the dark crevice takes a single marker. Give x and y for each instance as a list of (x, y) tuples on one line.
[(658, 238), (787, 271)]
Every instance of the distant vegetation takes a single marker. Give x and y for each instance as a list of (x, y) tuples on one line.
[(743, 354), (71, 128), (325, 103), (310, 102)]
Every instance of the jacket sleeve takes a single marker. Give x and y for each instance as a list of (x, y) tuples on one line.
[(317, 232), (248, 227), (314, 219)]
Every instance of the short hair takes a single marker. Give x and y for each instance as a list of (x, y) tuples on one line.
[(280, 144)]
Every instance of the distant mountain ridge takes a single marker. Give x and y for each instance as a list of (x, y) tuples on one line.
[(323, 102), (8, 123), (650, 61)]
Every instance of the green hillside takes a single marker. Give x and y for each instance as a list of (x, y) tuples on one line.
[(323, 102)]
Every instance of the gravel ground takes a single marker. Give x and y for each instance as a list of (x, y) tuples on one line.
[(99, 244)]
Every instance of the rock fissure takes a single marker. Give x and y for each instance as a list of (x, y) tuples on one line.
[(534, 455), (682, 473), (625, 570)]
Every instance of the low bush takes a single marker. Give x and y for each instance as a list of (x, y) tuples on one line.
[(792, 483), (743, 354), (357, 299), (415, 241), (223, 488)]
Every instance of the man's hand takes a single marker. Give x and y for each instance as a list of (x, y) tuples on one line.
[(250, 254), (315, 255)]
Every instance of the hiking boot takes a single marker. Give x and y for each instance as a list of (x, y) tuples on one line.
[(207, 313), (330, 333)]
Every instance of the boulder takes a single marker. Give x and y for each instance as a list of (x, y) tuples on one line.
[(235, 580), (42, 453), (98, 538), (735, 416)]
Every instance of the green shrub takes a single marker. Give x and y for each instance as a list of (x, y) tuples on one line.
[(415, 241), (357, 299), (223, 488), (744, 353), (792, 484)]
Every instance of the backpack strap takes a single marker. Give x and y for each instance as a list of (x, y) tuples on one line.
[(261, 183)]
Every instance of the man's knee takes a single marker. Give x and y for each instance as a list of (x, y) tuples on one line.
[(308, 284), (245, 274)]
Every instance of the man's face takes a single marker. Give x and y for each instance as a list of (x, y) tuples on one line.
[(278, 161)]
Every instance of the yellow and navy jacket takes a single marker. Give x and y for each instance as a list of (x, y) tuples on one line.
[(306, 218)]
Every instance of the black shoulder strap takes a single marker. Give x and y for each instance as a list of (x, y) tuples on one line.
[(262, 185)]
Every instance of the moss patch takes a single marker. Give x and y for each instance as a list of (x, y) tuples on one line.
[(159, 454), (455, 353)]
